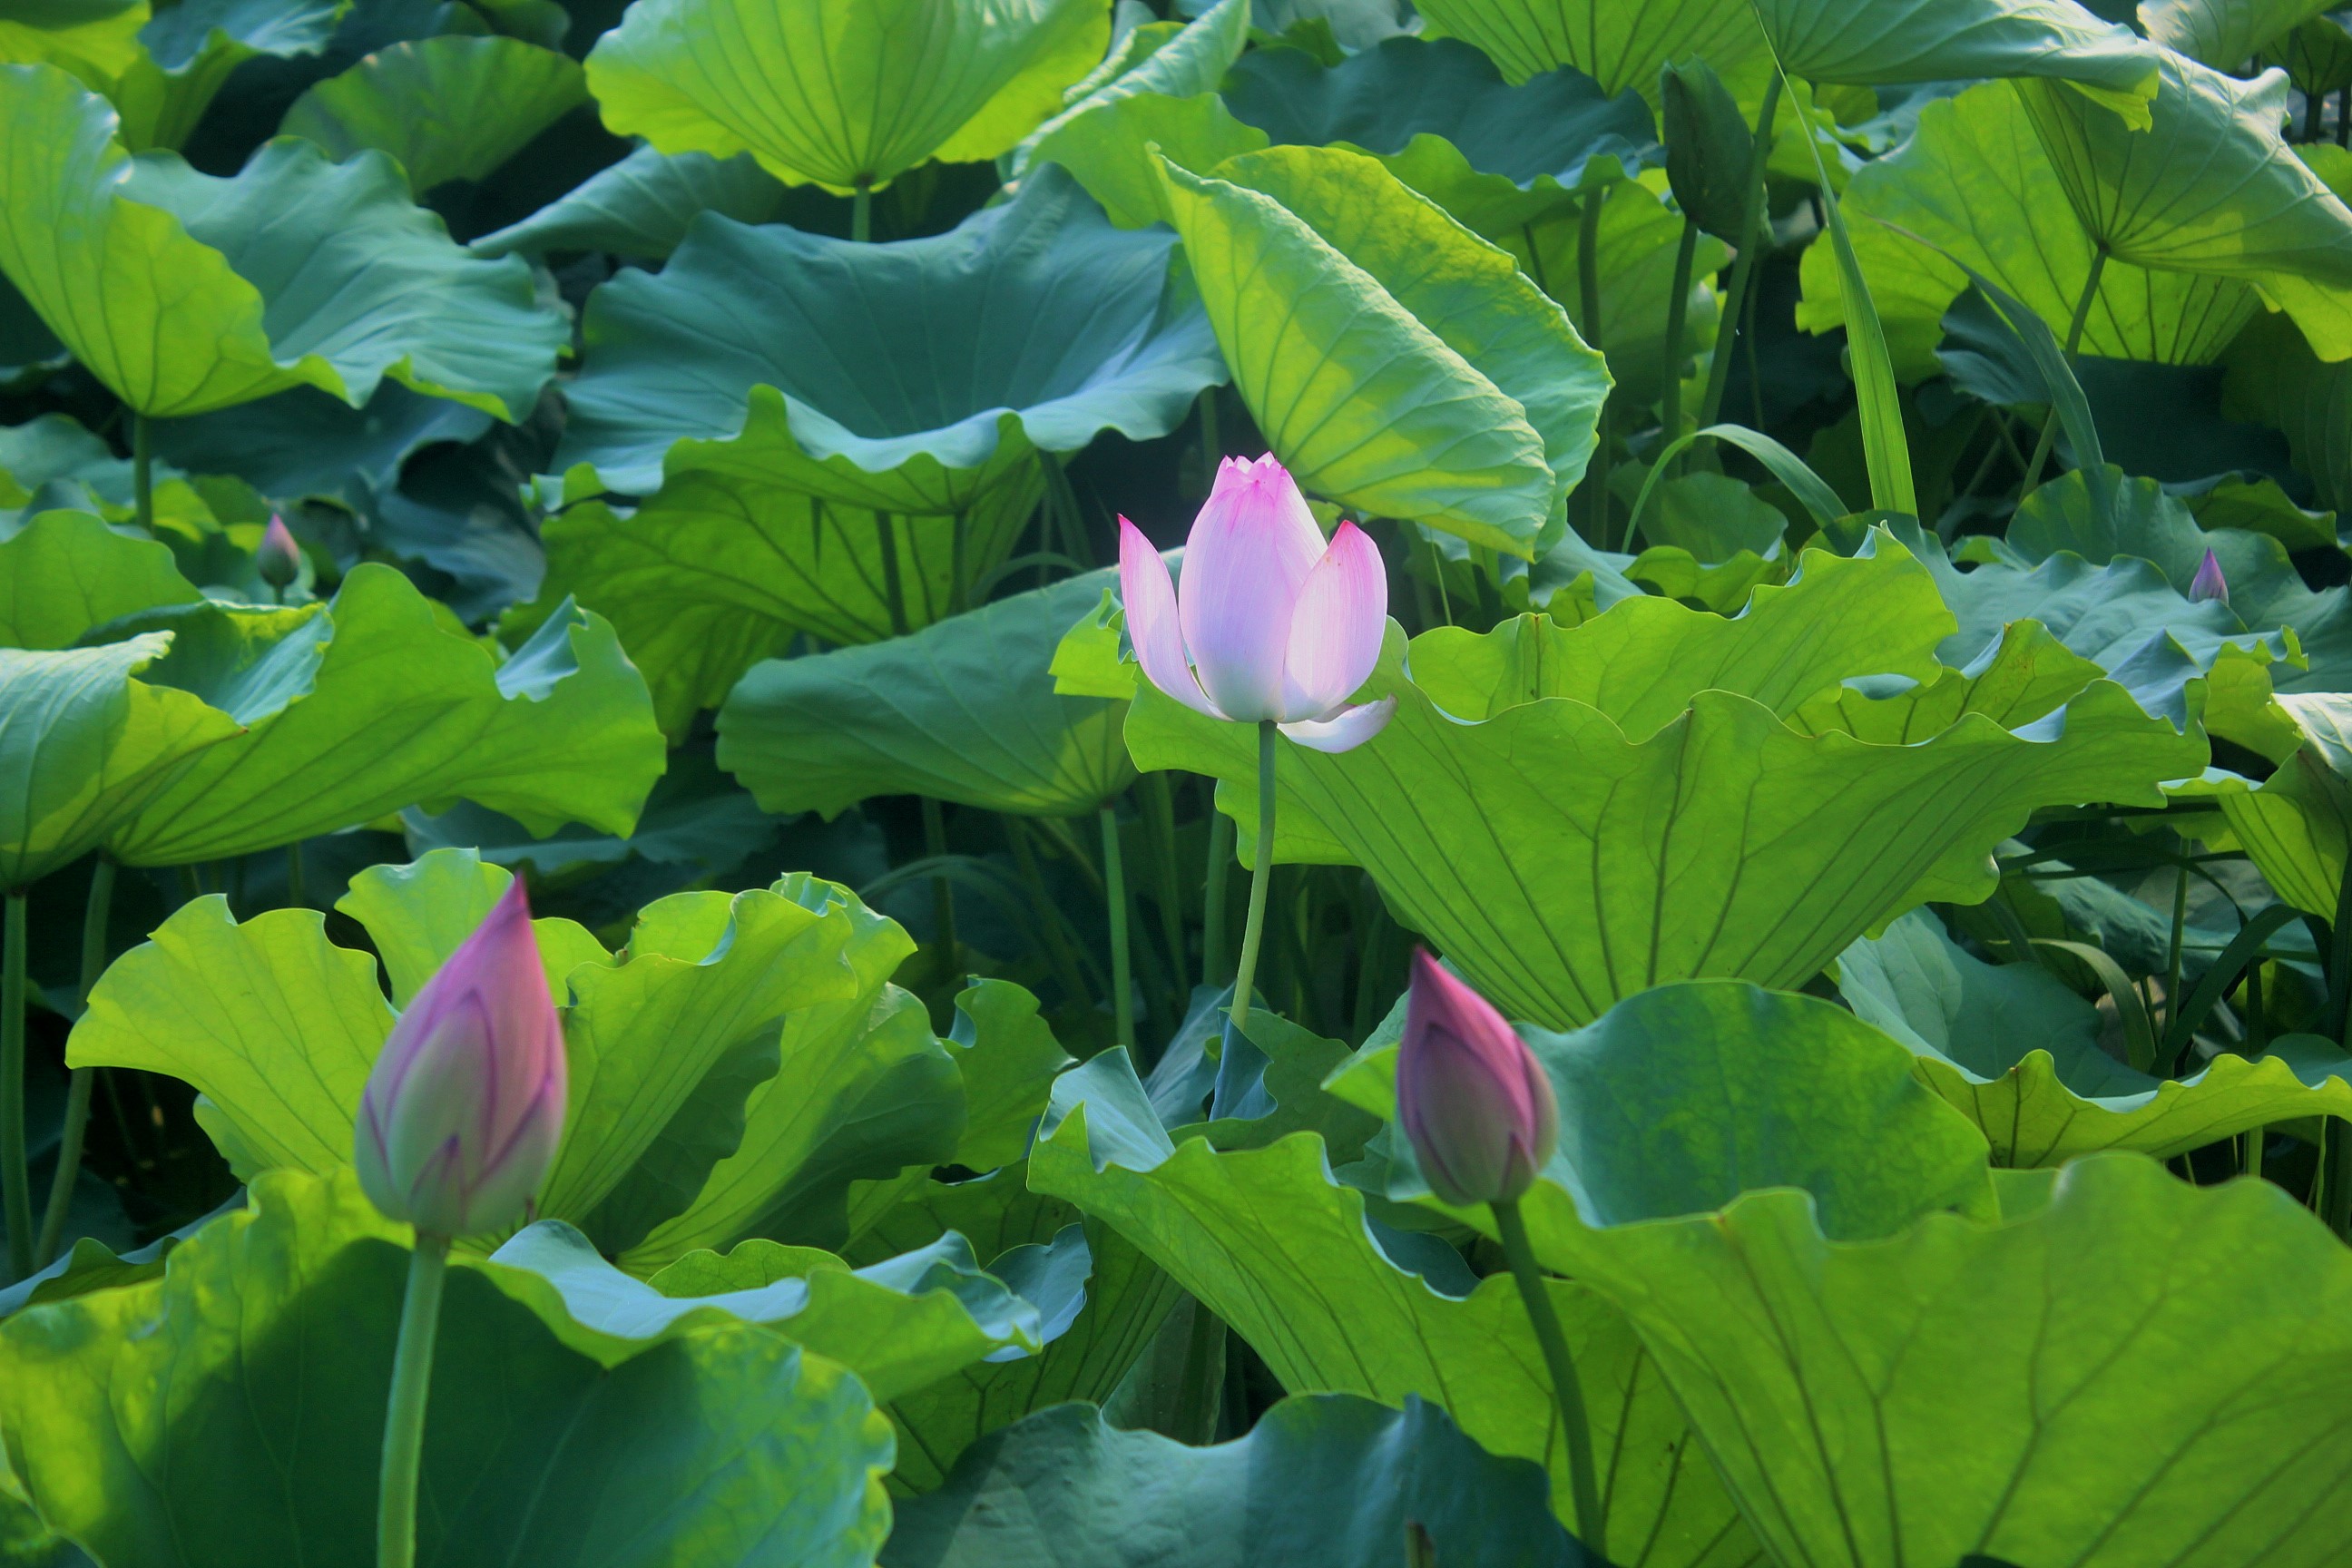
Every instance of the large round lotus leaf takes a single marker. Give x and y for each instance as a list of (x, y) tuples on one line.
[(185, 293), (1620, 47), (451, 108), (843, 92), (1395, 362), (249, 1434), (1574, 816), (902, 377), (1974, 181), (2213, 188), (963, 710)]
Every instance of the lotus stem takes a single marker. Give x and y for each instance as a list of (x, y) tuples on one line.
[(2339, 954), (1584, 1476), (935, 845), (2074, 340), (296, 895), (861, 211), (1743, 266), (1122, 957), (886, 530), (1213, 917), (143, 470), (2172, 999), (1588, 282), (1166, 881), (93, 965), (403, 1418), (1261, 876), (13, 1178), (1670, 410), (1197, 1397)]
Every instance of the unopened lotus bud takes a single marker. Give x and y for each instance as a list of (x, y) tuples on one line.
[(2209, 582), (465, 1106), (279, 559), (1472, 1098)]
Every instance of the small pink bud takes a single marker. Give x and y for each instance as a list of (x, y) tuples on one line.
[(465, 1106), (1472, 1098), (1271, 623), (279, 559), (2209, 582)]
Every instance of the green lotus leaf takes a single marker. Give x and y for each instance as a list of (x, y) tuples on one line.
[(963, 710), (1395, 362), (2017, 1054), (66, 572), (298, 271), (561, 733), (900, 1325), (192, 48), (416, 915), (844, 93), (1325, 1475), (1286, 1255), (1873, 43), (905, 378), (249, 1433), (1538, 806), (1620, 47), (1115, 149), (2224, 33), (1440, 117), (643, 205), (2210, 189), (1974, 182), (304, 443), (2294, 823), (2273, 376), (94, 41), (2316, 56), (449, 107), (1190, 61)]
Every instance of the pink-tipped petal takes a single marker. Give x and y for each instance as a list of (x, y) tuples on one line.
[(1148, 596), (1336, 628), (1344, 731), (1248, 555)]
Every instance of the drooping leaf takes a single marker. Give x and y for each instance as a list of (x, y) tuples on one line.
[(1453, 396), (1620, 47), (1186, 65), (844, 92), (2224, 33), (963, 710), (185, 293), (643, 205), (1322, 1479), (1875, 42), (448, 108), (250, 1432)]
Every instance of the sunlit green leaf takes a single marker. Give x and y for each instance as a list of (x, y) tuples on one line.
[(1619, 47), (448, 108), (2224, 33), (1191, 62)]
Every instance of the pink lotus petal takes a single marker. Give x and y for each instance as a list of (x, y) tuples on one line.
[(1344, 731), (1337, 625), (1249, 553), (1149, 598)]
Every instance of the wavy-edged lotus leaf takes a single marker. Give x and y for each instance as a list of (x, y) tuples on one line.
[(189, 51), (963, 710), (561, 731), (907, 377), (1189, 62), (66, 572), (1322, 1480), (416, 915), (2274, 377), (2211, 188), (1438, 114), (1974, 182), (447, 108), (1394, 361), (302, 442), (900, 1324), (844, 93), (2224, 33), (2296, 824), (184, 293), (1619, 47), (1572, 816), (1115, 150), (2017, 1054), (212, 1442), (1287, 1256), (643, 205), (2316, 56), (94, 41), (1873, 43)]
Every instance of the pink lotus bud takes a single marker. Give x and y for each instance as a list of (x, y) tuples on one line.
[(279, 559), (2209, 582), (1272, 623), (1472, 1098), (465, 1105)]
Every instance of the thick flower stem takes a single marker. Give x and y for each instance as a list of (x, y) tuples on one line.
[(14, 1180), (404, 1419), (1743, 266), (1261, 875), (93, 965), (861, 211), (2074, 340), (1122, 959), (1583, 1477)]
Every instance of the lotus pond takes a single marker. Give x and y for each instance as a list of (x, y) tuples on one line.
[(1218, 783)]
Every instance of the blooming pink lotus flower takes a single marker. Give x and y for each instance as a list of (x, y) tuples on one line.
[(1473, 1100), (1272, 623), (279, 559), (2209, 582), (465, 1106)]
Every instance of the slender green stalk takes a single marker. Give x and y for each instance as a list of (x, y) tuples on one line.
[(404, 1419), (1122, 959), (861, 211), (2173, 1000), (894, 592), (1198, 1396), (935, 845), (1588, 289), (1584, 1478), (1212, 914), (78, 1089), (143, 470), (1743, 264), (295, 891), (2074, 340), (13, 1179), (2250, 1161), (1670, 412), (1261, 874), (956, 594), (2339, 957), (1167, 879), (1437, 560)]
